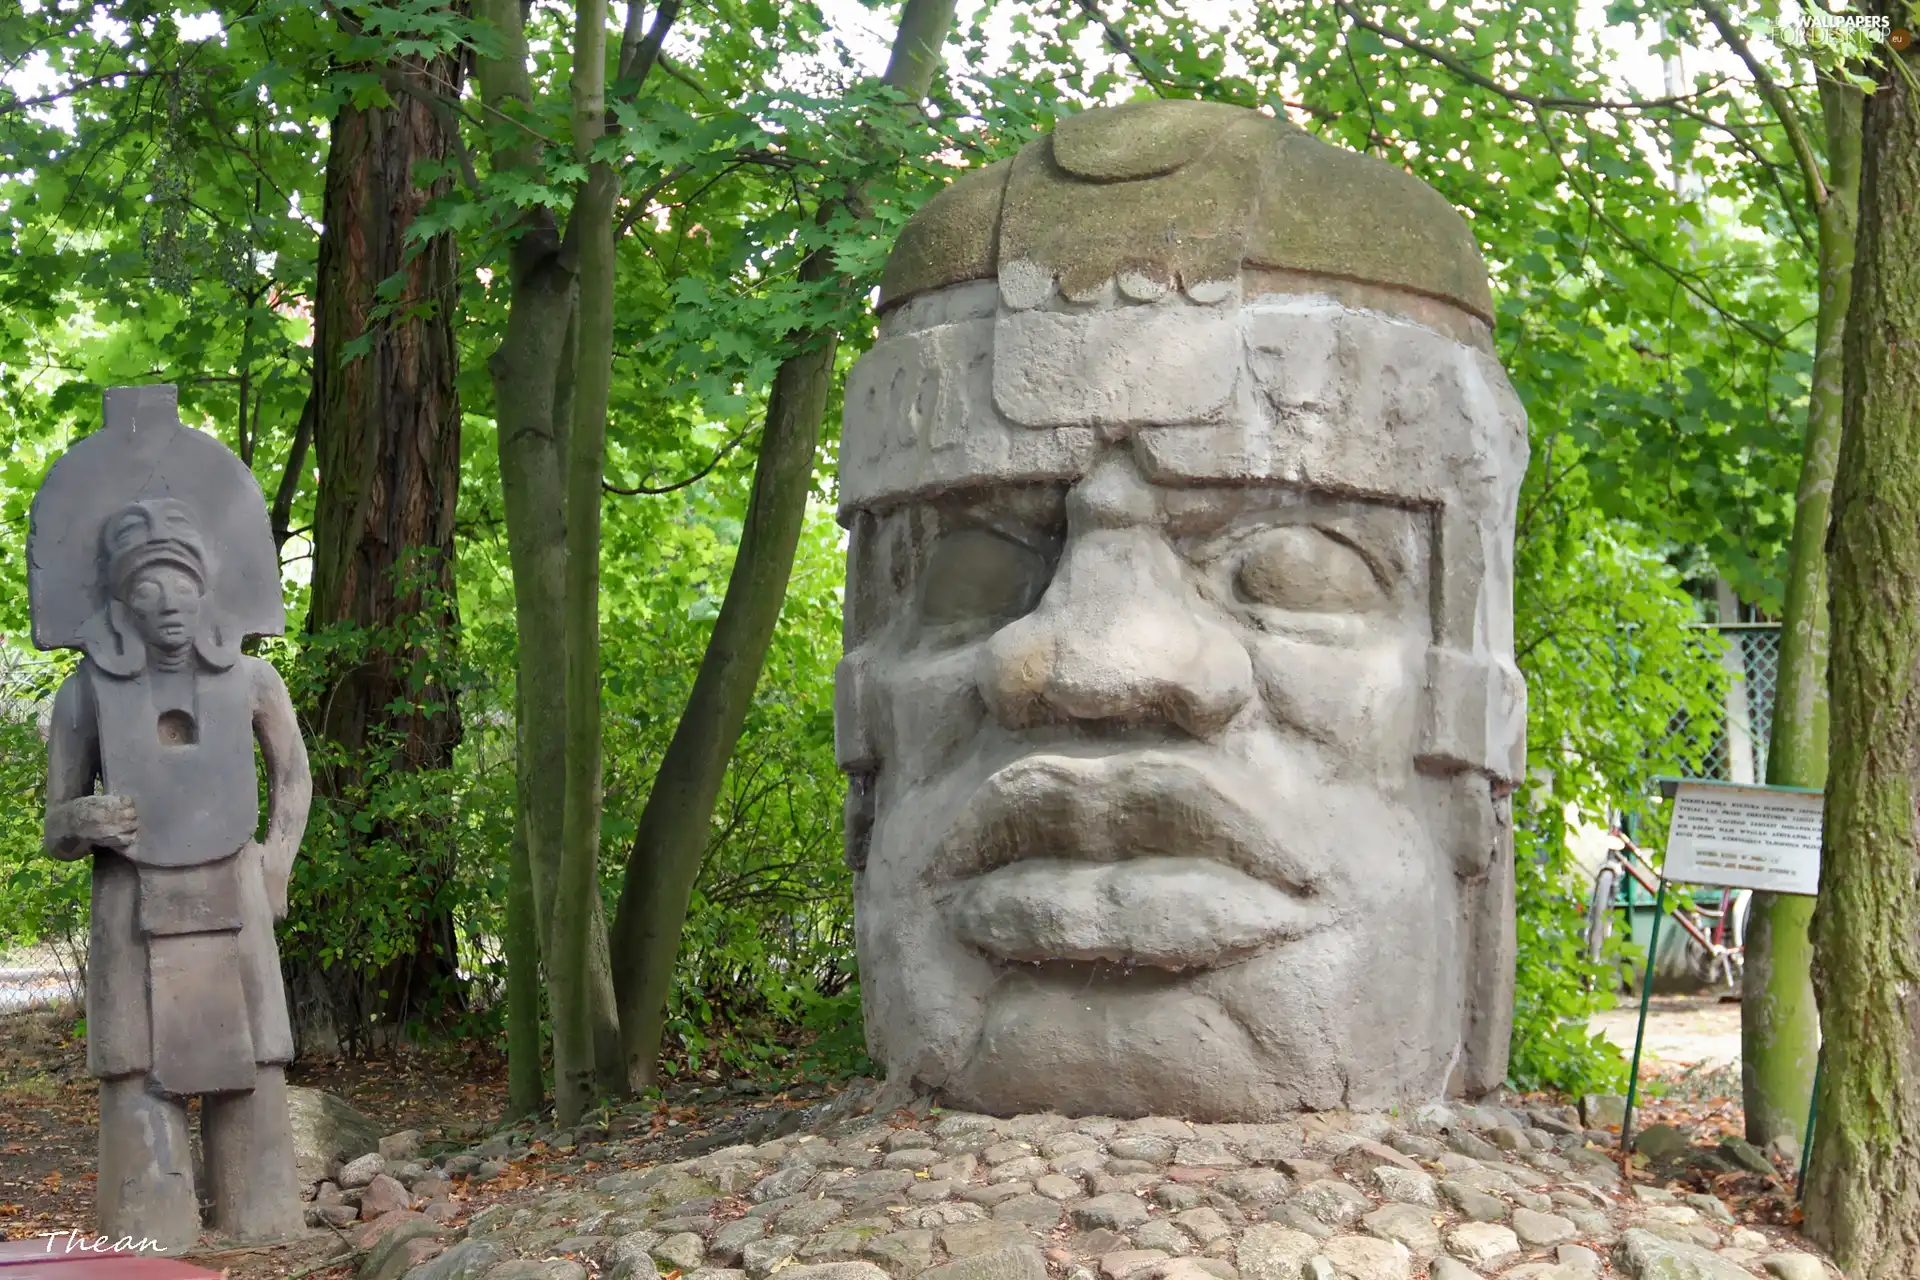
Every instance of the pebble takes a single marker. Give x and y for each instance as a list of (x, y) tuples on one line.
[(382, 1195), (362, 1170), (1362, 1258), (1647, 1256), (1408, 1224), (1536, 1229), (1332, 1202), (1481, 1243), (1474, 1204), (1445, 1192), (1116, 1212), (1272, 1252)]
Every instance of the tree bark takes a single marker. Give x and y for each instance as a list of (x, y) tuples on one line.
[(579, 884), (535, 372), (671, 841), (386, 430), (1779, 1019), (526, 1081), (1863, 1194)]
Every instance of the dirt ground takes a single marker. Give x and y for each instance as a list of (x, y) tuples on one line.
[(49, 1106), (49, 1109), (48, 1114), (1701, 1032)]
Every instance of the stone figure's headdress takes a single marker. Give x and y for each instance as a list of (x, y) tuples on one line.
[(150, 532), (1241, 302), (145, 490)]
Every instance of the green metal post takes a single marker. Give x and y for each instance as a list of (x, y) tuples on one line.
[(1806, 1147), (1640, 1031)]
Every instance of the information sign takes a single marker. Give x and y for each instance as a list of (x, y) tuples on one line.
[(1741, 837)]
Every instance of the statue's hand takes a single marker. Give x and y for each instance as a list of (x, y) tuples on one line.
[(275, 871), (108, 822)]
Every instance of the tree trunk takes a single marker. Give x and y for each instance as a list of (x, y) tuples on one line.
[(1863, 1197), (533, 374), (1779, 1020), (579, 882), (526, 1081), (673, 830), (386, 429)]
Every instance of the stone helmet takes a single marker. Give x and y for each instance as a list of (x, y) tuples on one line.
[(1101, 239)]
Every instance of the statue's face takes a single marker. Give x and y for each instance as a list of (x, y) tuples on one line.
[(165, 603), (1137, 746)]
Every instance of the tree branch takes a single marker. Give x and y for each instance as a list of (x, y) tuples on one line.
[(640, 201), (691, 480), (1783, 107), (630, 35), (1150, 71), (290, 477), (1544, 102), (638, 61)]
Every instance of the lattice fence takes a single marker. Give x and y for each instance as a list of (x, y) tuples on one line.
[(1747, 724)]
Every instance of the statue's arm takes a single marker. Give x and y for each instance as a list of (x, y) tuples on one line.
[(289, 784), (73, 762)]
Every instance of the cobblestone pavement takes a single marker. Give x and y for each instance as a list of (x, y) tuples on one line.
[(1445, 1193)]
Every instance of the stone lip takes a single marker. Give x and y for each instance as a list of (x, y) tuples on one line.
[(1113, 808), (1165, 913)]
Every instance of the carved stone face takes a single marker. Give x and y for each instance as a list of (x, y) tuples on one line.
[(1178, 701), (164, 600)]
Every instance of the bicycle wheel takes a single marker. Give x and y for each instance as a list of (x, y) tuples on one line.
[(1742, 911), (1600, 911)]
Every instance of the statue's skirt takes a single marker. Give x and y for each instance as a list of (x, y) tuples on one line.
[(183, 977)]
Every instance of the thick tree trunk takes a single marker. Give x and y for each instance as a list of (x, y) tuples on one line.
[(1863, 1195), (1779, 1020), (672, 838), (386, 429)]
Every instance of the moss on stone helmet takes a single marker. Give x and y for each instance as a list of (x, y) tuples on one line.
[(1178, 194)]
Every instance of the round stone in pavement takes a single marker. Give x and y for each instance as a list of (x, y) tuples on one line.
[(1537, 1229), (1794, 1266), (1409, 1186), (1409, 1224), (1646, 1256), (1331, 1201), (1482, 1243), (1364, 1258), (529, 1269), (1116, 1212)]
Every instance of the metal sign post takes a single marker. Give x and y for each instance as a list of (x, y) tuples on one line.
[(1730, 836)]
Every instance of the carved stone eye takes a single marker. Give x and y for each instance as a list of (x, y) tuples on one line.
[(975, 575), (1301, 568)]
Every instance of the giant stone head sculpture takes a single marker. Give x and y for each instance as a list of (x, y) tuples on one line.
[(1179, 705)]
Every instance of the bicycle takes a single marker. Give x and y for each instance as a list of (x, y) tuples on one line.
[(1721, 949)]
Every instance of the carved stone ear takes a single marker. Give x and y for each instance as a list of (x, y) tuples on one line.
[(219, 640), (859, 814), (1489, 934), (110, 639), (1473, 824)]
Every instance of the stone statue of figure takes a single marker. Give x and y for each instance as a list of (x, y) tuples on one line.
[(149, 551), (1179, 704)]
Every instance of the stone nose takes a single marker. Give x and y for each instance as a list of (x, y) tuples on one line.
[(1120, 638)]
